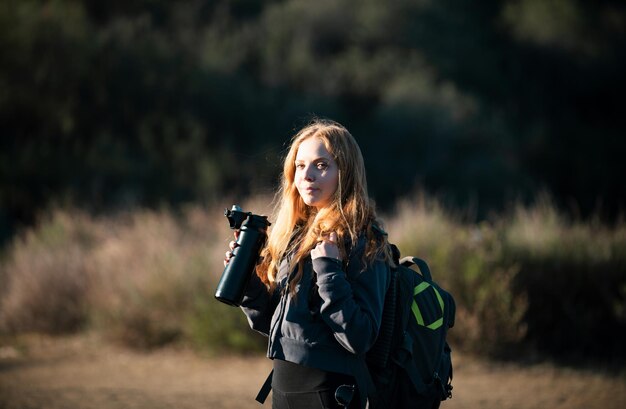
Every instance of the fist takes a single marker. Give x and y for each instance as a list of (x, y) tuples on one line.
[(327, 247)]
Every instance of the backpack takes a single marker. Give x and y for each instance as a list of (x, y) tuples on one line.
[(410, 363)]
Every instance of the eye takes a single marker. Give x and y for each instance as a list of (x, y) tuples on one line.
[(322, 165), (299, 165)]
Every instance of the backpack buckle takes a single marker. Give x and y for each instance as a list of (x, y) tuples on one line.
[(446, 388), (344, 395)]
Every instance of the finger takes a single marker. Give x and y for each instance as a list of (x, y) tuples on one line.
[(233, 244), (237, 232), (323, 239), (315, 253), (332, 237)]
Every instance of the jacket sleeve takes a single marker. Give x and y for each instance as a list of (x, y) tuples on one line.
[(259, 304), (353, 309)]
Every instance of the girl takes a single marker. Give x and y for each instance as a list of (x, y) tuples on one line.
[(319, 288)]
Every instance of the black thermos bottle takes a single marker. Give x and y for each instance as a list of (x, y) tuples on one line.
[(252, 236)]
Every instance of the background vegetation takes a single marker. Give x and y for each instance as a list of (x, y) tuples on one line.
[(145, 102), (531, 282), (126, 127)]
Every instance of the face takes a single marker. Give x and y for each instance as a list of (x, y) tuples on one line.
[(317, 174)]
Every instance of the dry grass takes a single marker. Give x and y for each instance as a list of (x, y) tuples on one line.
[(86, 372), (144, 278), (46, 279)]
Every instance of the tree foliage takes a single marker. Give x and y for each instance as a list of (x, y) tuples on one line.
[(150, 101)]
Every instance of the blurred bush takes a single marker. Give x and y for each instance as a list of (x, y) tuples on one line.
[(529, 281), (143, 279), (466, 260), (44, 281), (573, 275)]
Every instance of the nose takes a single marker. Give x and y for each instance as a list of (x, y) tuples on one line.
[(309, 175)]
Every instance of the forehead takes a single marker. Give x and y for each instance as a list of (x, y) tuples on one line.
[(312, 148)]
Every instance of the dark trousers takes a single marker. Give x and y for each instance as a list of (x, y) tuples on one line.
[(304, 400), (299, 387)]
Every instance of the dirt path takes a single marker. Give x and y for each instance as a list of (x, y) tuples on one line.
[(82, 372)]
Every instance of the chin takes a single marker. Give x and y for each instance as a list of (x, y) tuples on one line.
[(310, 203)]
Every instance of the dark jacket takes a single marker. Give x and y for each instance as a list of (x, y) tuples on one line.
[(334, 318)]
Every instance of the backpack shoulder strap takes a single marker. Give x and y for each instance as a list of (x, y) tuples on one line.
[(265, 389), (379, 354), (421, 264)]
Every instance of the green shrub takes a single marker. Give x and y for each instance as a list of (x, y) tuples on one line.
[(223, 327), (573, 275)]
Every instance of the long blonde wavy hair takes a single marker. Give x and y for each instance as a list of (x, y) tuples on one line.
[(298, 227)]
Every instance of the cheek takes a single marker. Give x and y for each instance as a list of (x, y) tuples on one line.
[(332, 182), (297, 178)]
